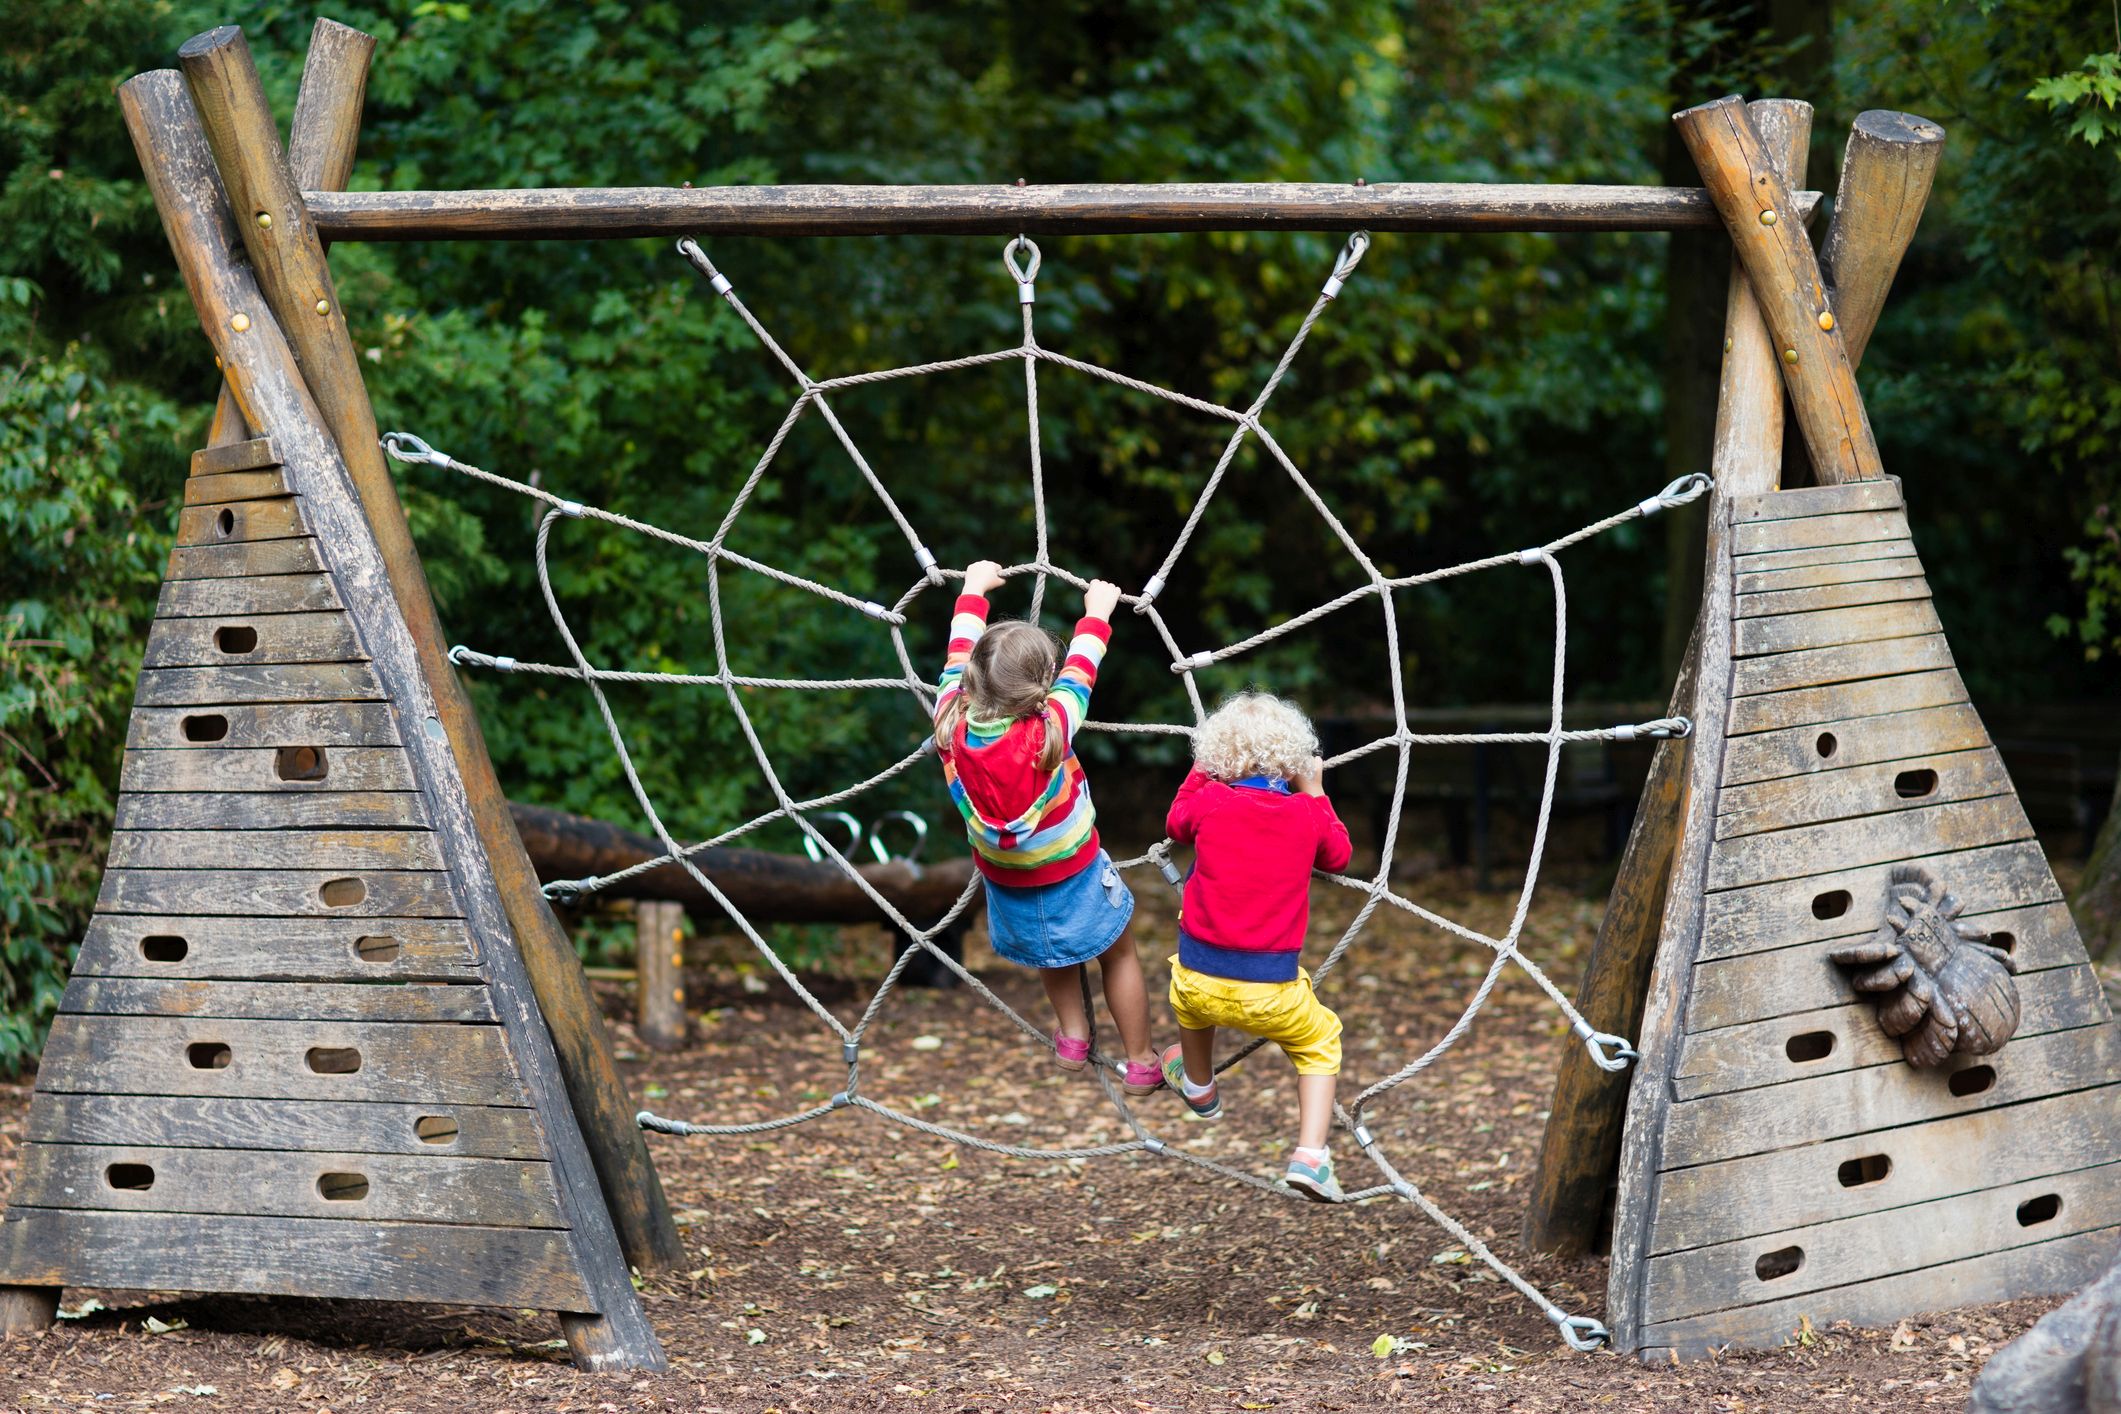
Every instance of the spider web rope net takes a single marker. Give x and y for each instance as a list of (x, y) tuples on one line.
[(1022, 259)]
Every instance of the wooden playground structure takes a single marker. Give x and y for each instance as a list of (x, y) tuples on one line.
[(228, 1102)]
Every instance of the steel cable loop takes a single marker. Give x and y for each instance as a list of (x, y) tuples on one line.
[(1609, 1051)]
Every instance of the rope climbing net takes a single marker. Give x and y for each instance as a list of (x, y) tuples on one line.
[(1021, 258)]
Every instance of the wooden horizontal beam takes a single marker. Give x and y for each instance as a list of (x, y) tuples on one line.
[(590, 213)]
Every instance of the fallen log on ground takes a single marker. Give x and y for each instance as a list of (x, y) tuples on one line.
[(765, 886)]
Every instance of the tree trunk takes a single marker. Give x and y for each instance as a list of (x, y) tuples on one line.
[(2097, 902)]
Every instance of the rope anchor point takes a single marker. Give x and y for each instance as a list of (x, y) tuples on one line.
[(1609, 1053), (1583, 1334)]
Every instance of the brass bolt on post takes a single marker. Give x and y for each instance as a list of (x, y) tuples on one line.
[(1767, 218)]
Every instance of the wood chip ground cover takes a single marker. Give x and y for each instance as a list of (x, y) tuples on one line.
[(849, 1264)]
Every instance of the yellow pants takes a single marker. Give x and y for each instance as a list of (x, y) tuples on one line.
[(1287, 1013)]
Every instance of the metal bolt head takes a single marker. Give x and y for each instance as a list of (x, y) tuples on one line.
[(264, 220), (323, 306), (1767, 218), (1789, 355), (1726, 345), (1826, 320), (239, 323)]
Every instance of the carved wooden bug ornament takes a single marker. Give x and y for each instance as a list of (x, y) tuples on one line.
[(1945, 988)]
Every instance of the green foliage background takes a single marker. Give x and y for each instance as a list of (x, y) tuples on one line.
[(1469, 393)]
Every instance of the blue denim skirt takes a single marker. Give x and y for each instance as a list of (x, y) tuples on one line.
[(1060, 925)]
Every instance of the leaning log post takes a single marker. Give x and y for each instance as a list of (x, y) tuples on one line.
[(659, 973), (1777, 254), (1581, 1149), (288, 257)]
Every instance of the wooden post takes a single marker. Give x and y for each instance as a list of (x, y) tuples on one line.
[(27, 1308), (659, 967), (1757, 209), (1581, 1149), (1886, 173), (288, 256)]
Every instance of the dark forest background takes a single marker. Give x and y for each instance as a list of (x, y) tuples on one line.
[(1468, 394)]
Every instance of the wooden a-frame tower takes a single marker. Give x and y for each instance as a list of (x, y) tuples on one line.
[(324, 1037)]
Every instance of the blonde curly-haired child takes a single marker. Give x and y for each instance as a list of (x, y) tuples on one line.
[(1255, 811)]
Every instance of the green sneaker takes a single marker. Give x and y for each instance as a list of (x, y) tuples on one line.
[(1316, 1183), (1208, 1106)]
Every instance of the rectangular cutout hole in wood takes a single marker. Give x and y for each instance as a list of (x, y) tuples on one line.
[(333, 1060), (1782, 1262), (209, 1055), (301, 763), (1871, 1168), (377, 951), (342, 893), (1810, 1046), (1831, 904), (164, 947), (138, 1178), (2035, 1211), (236, 639), (1913, 785), (2003, 942), (342, 1187), (436, 1129), (1972, 1081), (205, 726)]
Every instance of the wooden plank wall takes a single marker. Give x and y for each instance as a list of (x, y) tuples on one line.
[(1804, 1169)]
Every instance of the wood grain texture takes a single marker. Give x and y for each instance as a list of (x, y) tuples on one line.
[(1843, 528), (326, 129), (1797, 1188), (1745, 182), (343, 724), (234, 486), (406, 1063), (659, 971), (1881, 495), (261, 557), (248, 455), (239, 522), (1859, 790), (1857, 741), (24, 1309), (1886, 171), (367, 1000), (279, 949), (1816, 667), (1807, 851), (361, 768), (1832, 596), (1764, 561), (352, 1126), (265, 1183), (257, 810), (611, 213), (1873, 698), (279, 892), (255, 638), (1842, 572), (1786, 633), (477, 1266), (275, 849), (238, 682), (251, 594)]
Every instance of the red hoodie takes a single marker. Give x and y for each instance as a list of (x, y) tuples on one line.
[(1247, 903)]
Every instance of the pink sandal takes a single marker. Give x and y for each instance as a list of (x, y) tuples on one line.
[(1070, 1052)]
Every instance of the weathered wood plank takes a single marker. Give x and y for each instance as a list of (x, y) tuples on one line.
[(27, 1309), (1855, 741), (1808, 850), (274, 1060), (240, 521), (1870, 697), (1861, 552), (1784, 914), (1880, 495), (1814, 533), (1796, 1188), (260, 557), (230, 727), (275, 849), (265, 1183), (1879, 1097), (1840, 572), (1832, 596), (476, 1266), (258, 810), (1875, 1245), (264, 769), (278, 1001), (254, 594), (1755, 986), (256, 638), (291, 682), (234, 486), (2046, 1269), (1786, 633), (278, 949), (366, 1127), (1755, 1053), (1860, 790), (236, 456), (1818, 667), (297, 893), (1886, 171)]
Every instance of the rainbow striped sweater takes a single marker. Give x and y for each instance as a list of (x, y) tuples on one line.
[(1028, 827)]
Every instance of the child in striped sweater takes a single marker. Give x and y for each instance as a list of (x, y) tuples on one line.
[(1006, 714)]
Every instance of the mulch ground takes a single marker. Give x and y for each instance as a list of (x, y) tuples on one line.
[(852, 1264)]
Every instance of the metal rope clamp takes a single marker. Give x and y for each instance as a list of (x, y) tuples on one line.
[(405, 447), (1609, 1053), (1026, 292), (1583, 1334), (1350, 256)]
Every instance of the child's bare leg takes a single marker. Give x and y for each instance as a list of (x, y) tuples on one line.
[(1128, 997), (1314, 1109), (1198, 1047), (1064, 989)]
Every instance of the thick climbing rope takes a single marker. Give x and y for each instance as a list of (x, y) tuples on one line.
[(1021, 258)]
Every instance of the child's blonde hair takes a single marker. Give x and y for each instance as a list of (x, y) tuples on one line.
[(1255, 734), (1010, 675)]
